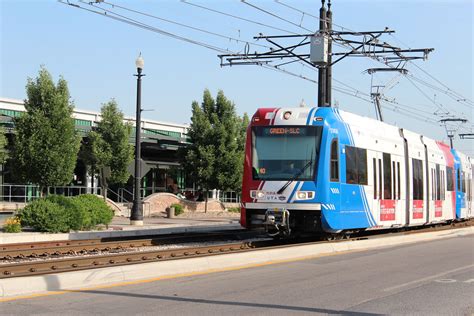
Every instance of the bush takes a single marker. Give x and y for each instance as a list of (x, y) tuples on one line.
[(57, 213), (45, 216), (98, 210), (233, 209), (178, 209), (78, 216), (12, 225)]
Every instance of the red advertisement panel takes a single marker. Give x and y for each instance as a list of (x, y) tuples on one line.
[(417, 209), (387, 210), (438, 208)]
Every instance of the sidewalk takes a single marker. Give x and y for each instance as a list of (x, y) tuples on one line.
[(120, 227)]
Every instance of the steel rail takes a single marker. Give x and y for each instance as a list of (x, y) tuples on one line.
[(64, 247), (41, 267), (109, 260)]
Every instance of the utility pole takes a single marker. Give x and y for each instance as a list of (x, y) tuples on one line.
[(450, 131), (329, 67), (359, 44), (466, 136), (376, 91), (322, 69)]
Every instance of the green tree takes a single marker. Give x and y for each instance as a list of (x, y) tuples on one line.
[(46, 143), (3, 145), (108, 145), (214, 159)]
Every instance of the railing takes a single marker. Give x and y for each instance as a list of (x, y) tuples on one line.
[(27, 193), (229, 197)]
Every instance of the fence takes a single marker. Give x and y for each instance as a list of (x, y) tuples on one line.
[(23, 193), (26, 193)]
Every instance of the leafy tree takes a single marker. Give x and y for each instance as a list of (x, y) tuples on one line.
[(215, 156), (3, 145), (108, 145), (46, 143)]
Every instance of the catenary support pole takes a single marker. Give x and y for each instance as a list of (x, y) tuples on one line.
[(322, 69)]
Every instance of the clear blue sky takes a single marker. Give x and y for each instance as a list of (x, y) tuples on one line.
[(96, 55)]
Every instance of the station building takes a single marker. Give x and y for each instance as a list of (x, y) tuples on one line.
[(160, 144)]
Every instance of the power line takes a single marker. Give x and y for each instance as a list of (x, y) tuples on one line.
[(236, 17), (182, 25), (274, 15)]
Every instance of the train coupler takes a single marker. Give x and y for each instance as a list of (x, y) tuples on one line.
[(277, 222)]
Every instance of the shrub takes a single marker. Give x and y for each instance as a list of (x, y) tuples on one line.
[(45, 216), (98, 210), (233, 209), (178, 209), (77, 215), (12, 225), (57, 213)]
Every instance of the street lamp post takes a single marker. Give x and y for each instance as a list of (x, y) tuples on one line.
[(136, 218)]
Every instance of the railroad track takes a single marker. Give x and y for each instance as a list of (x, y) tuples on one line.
[(140, 255), (74, 247)]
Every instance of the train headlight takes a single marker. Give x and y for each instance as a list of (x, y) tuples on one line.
[(304, 195), (254, 194)]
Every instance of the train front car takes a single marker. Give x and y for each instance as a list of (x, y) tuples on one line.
[(292, 182)]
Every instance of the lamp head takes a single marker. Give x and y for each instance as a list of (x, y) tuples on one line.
[(140, 62)]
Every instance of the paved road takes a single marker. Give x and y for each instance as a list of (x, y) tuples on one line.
[(433, 278)]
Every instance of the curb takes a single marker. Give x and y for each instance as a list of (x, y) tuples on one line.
[(38, 237), (147, 272)]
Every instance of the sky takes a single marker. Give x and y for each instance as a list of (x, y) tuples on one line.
[(96, 55)]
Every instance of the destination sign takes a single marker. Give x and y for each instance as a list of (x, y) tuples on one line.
[(285, 131), (288, 131)]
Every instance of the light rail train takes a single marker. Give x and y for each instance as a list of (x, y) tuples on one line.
[(323, 170)]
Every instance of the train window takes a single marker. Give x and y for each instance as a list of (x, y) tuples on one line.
[(334, 168), (387, 177), (398, 180), (438, 182), (449, 179), (380, 179), (356, 165), (417, 166), (362, 165), (433, 188), (459, 180), (394, 193), (351, 165), (375, 177), (463, 181), (441, 187)]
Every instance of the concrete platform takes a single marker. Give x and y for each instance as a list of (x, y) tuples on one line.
[(120, 227), (146, 272)]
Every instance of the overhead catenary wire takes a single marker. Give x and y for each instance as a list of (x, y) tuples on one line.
[(274, 15), (349, 90), (237, 17), (183, 25)]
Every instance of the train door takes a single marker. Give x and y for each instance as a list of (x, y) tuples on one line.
[(387, 202), (460, 192), (435, 198), (470, 191), (418, 189), (334, 173), (375, 176), (397, 180)]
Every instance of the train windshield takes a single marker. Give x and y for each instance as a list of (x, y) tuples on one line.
[(285, 152)]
